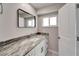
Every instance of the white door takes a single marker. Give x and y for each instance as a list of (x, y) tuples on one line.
[(67, 30)]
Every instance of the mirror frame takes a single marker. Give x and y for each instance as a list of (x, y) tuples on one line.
[(27, 13)]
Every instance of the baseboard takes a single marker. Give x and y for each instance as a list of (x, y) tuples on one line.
[(53, 52)]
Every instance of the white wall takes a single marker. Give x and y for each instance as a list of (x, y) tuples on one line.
[(77, 28), (78, 22), (53, 34), (8, 21)]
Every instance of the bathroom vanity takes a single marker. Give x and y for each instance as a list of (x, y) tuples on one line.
[(39, 50), (30, 45)]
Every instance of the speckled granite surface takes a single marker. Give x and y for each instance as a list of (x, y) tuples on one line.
[(22, 45)]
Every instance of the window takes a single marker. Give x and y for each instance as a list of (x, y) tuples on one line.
[(49, 22), (53, 21), (46, 22)]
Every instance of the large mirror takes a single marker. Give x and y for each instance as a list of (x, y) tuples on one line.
[(25, 19)]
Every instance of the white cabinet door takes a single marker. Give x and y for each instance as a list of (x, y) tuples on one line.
[(44, 47), (67, 30), (39, 50)]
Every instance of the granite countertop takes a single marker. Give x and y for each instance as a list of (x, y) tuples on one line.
[(20, 46)]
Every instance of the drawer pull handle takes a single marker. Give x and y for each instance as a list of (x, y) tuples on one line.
[(41, 49)]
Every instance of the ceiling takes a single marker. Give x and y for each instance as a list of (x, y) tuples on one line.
[(42, 5)]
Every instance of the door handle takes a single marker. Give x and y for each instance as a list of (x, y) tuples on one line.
[(59, 37), (41, 49)]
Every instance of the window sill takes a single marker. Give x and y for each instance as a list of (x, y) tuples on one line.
[(49, 27)]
